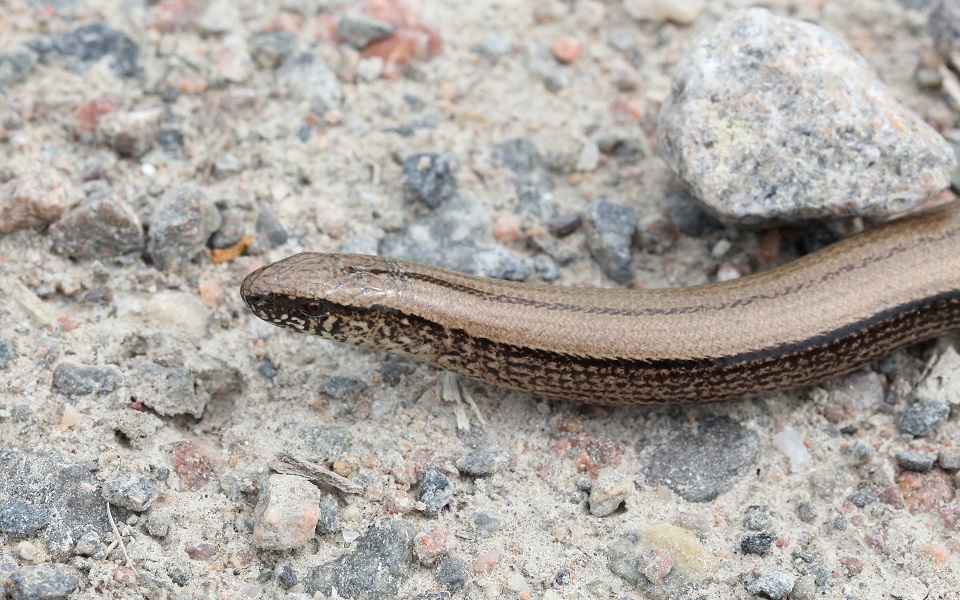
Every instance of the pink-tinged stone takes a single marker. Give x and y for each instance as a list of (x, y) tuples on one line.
[(195, 464), (925, 491), (430, 545), (486, 562), (655, 565), (287, 513), (34, 197)]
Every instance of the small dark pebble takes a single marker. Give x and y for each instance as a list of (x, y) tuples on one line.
[(916, 461), (436, 492), (102, 226), (563, 577), (265, 576), (453, 573), (43, 582), (21, 519), (266, 369), (15, 65), (923, 417), (565, 224), (81, 380), (77, 48), (20, 413), (757, 543), (232, 227), (688, 215), (287, 577), (179, 573), (756, 518), (520, 155), (861, 498), (170, 141), (849, 429), (840, 523), (546, 267), (615, 144), (610, 229), (7, 353), (329, 521), (339, 387), (429, 179), (812, 238), (804, 556), (270, 48), (823, 573), (97, 295), (359, 30), (182, 221)]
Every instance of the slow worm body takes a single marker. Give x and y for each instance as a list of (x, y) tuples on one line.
[(819, 316)]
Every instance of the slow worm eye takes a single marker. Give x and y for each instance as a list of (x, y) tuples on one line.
[(313, 308)]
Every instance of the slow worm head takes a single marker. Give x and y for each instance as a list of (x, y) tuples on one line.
[(824, 314)]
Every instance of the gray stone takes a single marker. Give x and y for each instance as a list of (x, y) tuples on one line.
[(306, 76), (329, 515), (453, 573), (861, 498), (486, 524), (287, 577), (180, 225), (944, 25), (15, 65), (375, 569), (89, 544), (103, 226), (924, 417), (609, 492), (436, 491), (497, 262), (339, 387), (429, 179), (167, 390), (7, 567), (916, 461), (131, 491), (700, 463), (270, 229), (910, 588), (756, 543), (531, 182), (7, 353), (77, 48), (484, 461), (81, 380), (20, 519), (270, 48), (138, 427), (771, 582), (949, 459), (756, 518), (130, 134), (43, 582), (610, 229), (774, 118), (359, 30)]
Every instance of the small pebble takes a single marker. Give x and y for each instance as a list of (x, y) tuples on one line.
[(756, 518), (270, 48), (431, 544), (771, 582), (7, 353), (81, 380), (608, 492), (429, 179), (43, 582), (609, 230), (359, 30), (566, 50), (916, 461), (435, 492), (76, 49), (180, 225), (36, 196), (167, 390), (129, 134), (287, 577), (751, 97), (924, 417), (286, 514), (306, 76), (486, 524), (15, 64), (103, 226), (484, 461), (131, 491), (910, 588), (453, 573), (861, 498), (485, 562), (21, 519), (949, 458), (789, 441), (757, 543), (329, 521)]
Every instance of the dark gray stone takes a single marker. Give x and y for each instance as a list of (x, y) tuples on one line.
[(132, 491), (861, 498), (322, 441), (520, 155), (531, 181), (547, 268), (610, 229), (103, 226), (7, 353), (564, 225), (429, 179), (233, 227), (453, 573), (82, 380), (287, 577), (757, 543), (43, 582), (436, 491), (180, 225), (949, 459), (702, 462), (916, 461), (688, 215), (67, 491), (486, 524), (376, 568), (359, 30), (20, 519), (306, 76), (771, 582), (497, 262), (89, 544), (270, 228), (329, 515), (339, 387), (924, 417), (78, 48)]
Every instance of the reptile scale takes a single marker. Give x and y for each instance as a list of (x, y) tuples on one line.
[(819, 316)]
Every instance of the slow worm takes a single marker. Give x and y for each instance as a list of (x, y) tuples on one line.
[(819, 316)]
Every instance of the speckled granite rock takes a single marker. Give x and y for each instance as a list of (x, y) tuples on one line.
[(773, 118)]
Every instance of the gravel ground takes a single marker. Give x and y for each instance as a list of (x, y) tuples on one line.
[(151, 155)]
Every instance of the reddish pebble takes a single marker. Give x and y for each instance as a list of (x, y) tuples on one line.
[(34, 197), (950, 514), (287, 513), (655, 565), (853, 564), (195, 464), (891, 495), (507, 228), (125, 576), (566, 50), (201, 551), (925, 491), (431, 544), (486, 562), (401, 502)]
